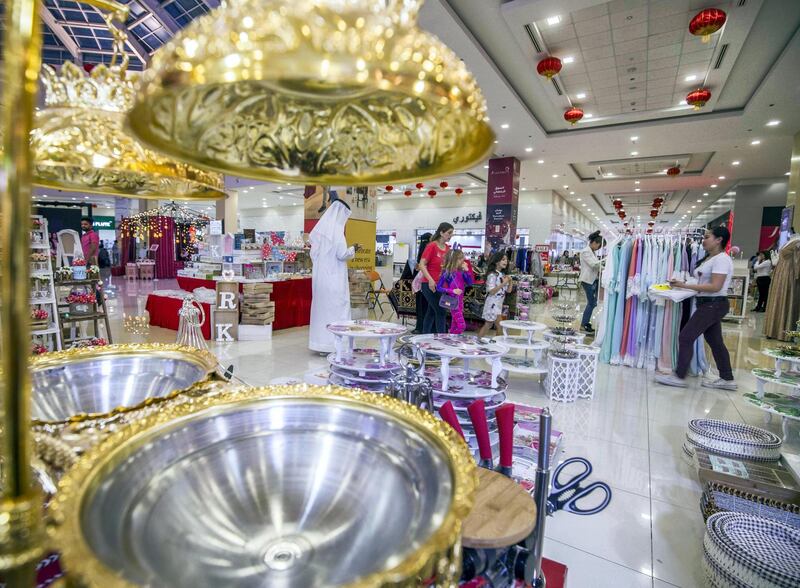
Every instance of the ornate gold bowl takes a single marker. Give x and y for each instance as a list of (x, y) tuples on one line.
[(318, 91), (279, 486)]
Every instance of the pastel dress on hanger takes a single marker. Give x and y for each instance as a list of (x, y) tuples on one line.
[(606, 277), (636, 291), (660, 303), (665, 358), (612, 296), (627, 320), (643, 318), (619, 313)]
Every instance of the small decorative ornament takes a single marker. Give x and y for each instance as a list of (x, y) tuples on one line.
[(698, 98), (443, 185), (673, 171), (548, 67), (420, 185), (653, 213), (573, 115), (432, 193), (389, 188), (707, 22), (192, 316), (407, 193)]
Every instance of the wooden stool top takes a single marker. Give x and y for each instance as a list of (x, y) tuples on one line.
[(504, 513)]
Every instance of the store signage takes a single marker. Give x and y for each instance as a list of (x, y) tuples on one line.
[(215, 227), (543, 248), (472, 217), (502, 200), (104, 223)]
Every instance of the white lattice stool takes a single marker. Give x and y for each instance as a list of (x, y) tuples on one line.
[(562, 378), (587, 369)]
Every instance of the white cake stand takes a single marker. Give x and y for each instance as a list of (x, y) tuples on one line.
[(464, 347), (346, 332)]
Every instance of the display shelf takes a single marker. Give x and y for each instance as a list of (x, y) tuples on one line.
[(68, 318), (784, 361), (523, 365), (50, 337), (737, 295), (785, 406), (40, 246), (765, 376), (48, 300), (48, 331)]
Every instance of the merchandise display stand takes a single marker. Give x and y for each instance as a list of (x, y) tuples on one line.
[(45, 333), (737, 296), (97, 313), (365, 368), (586, 378), (464, 347), (785, 405), (574, 338), (784, 362), (523, 364)]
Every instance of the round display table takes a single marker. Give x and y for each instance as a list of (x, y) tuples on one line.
[(464, 347), (346, 332), (575, 339), (784, 362)]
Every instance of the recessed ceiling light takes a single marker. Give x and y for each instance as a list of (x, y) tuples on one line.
[(86, 198), (380, 197), (572, 193), (469, 192), (540, 161), (569, 59), (731, 193), (609, 175), (580, 96), (690, 78), (637, 189), (713, 185), (699, 199), (588, 115), (295, 204), (693, 206), (584, 204), (721, 177), (472, 184), (264, 206), (755, 142), (485, 167), (634, 153), (553, 20), (735, 162), (705, 193), (578, 199), (524, 189), (682, 103), (496, 142), (565, 186), (637, 182), (280, 197), (773, 123), (504, 126), (555, 175), (634, 138)]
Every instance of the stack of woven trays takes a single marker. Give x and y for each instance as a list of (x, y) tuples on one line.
[(741, 550), (718, 497), (733, 440)]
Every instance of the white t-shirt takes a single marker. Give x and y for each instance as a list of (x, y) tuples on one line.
[(721, 263), (763, 269)]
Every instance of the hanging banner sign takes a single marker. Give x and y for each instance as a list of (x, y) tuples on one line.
[(502, 201)]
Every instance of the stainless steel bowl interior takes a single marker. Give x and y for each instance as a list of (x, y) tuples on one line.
[(281, 492), (100, 384)]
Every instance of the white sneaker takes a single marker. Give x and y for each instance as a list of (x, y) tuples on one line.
[(671, 380), (720, 384)]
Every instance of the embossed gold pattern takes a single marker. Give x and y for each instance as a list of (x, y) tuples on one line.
[(439, 557), (324, 91), (79, 142)]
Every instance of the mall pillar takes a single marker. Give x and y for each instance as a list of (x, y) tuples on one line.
[(502, 201), (228, 211), (793, 195)]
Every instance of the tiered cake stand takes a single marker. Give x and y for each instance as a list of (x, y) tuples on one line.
[(464, 385), (786, 403), (365, 368), (523, 364)]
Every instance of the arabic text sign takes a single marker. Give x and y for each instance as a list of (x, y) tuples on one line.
[(472, 217)]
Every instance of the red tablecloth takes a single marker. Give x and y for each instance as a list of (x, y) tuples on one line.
[(164, 313), (292, 299)]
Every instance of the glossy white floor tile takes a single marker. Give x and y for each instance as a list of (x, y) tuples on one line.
[(631, 431)]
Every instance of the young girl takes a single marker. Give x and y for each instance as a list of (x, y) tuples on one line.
[(453, 281), (497, 285)]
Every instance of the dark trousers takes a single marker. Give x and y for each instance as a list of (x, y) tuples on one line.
[(422, 308), (706, 321), (436, 317), (591, 301), (762, 283)]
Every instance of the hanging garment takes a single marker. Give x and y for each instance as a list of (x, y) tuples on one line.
[(627, 319), (606, 277), (619, 313), (783, 307), (330, 288), (610, 306)]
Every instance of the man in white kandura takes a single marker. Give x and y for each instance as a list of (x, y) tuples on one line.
[(330, 288)]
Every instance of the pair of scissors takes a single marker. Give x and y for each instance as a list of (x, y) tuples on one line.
[(565, 495)]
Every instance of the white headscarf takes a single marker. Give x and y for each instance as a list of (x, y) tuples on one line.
[(329, 231)]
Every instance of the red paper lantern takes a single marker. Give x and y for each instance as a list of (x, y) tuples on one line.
[(407, 193), (617, 203), (658, 201), (459, 191), (431, 193), (653, 213), (443, 185), (88, 67), (389, 188), (707, 22), (698, 98), (420, 186), (548, 67), (622, 214), (573, 115), (651, 223), (673, 171)]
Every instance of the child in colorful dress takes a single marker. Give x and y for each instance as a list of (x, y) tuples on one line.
[(497, 285), (453, 281)]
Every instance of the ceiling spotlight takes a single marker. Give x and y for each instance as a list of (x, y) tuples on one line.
[(690, 78), (713, 185), (504, 126), (568, 60), (735, 162), (528, 149), (584, 204), (553, 20), (609, 175), (634, 153), (555, 175), (705, 193), (540, 161), (572, 193), (682, 103), (694, 206), (565, 186), (773, 123), (280, 197), (485, 167), (588, 115), (580, 96), (637, 182), (634, 138), (74, 198), (637, 190), (496, 142), (722, 177), (755, 142), (380, 197), (523, 189), (699, 199), (472, 184), (578, 199), (786, 174)]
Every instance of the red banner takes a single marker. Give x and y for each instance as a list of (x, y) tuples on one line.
[(502, 200)]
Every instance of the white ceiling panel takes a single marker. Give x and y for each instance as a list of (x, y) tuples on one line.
[(594, 26), (663, 8), (590, 13), (664, 24), (662, 39), (596, 40), (637, 31), (631, 46)]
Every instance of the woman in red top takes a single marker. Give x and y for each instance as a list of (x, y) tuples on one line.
[(431, 267)]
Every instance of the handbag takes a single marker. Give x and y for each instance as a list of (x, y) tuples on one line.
[(448, 301), (416, 283)]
